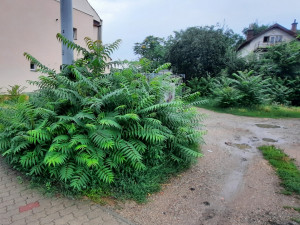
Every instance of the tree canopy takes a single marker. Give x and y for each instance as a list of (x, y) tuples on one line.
[(198, 51), (152, 48)]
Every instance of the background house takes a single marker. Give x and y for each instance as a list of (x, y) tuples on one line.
[(31, 26), (271, 36)]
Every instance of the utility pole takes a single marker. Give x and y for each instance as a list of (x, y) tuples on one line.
[(66, 15)]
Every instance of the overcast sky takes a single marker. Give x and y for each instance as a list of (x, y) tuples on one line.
[(133, 20)]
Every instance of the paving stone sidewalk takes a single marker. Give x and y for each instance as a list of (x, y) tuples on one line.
[(24, 206)]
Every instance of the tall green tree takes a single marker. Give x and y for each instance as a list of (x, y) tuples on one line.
[(152, 48), (198, 51)]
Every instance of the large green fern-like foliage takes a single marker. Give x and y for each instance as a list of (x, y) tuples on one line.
[(84, 128)]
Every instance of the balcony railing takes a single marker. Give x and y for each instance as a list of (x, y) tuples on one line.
[(263, 45)]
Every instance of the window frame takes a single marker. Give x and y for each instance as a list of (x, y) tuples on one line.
[(74, 33), (266, 39)]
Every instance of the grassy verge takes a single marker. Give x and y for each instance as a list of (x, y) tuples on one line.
[(259, 111), (296, 220), (291, 207), (285, 168)]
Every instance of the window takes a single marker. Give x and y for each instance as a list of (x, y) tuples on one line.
[(32, 67), (279, 38), (75, 33), (266, 39), (273, 39)]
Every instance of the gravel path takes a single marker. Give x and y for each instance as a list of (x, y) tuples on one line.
[(232, 184)]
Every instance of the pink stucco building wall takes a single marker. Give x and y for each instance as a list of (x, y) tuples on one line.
[(31, 26)]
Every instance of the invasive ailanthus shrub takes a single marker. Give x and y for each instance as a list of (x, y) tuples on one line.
[(254, 88), (84, 129), (204, 85), (244, 89), (224, 93)]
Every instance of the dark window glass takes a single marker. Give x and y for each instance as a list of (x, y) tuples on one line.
[(32, 66), (266, 39), (75, 33)]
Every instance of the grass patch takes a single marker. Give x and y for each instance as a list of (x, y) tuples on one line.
[(296, 220), (285, 192), (97, 195), (285, 168), (268, 111), (291, 207)]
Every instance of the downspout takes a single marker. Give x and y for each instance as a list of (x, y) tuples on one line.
[(100, 30), (66, 14)]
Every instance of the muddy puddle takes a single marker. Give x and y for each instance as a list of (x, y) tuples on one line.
[(267, 126), (269, 140), (239, 146)]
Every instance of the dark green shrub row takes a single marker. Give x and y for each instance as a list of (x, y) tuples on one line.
[(243, 89), (247, 89), (275, 78)]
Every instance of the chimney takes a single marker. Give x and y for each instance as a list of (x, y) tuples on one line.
[(294, 26), (250, 32)]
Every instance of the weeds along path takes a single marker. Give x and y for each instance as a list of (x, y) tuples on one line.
[(232, 184)]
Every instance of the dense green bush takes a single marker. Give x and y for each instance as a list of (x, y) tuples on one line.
[(279, 92), (201, 84), (294, 85), (254, 89), (224, 94), (83, 130), (282, 60), (244, 89)]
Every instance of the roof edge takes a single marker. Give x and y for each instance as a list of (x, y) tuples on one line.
[(92, 13), (100, 20)]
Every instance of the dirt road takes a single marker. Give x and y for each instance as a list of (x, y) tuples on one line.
[(232, 184)]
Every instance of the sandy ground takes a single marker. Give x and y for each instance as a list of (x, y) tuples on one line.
[(232, 184)]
